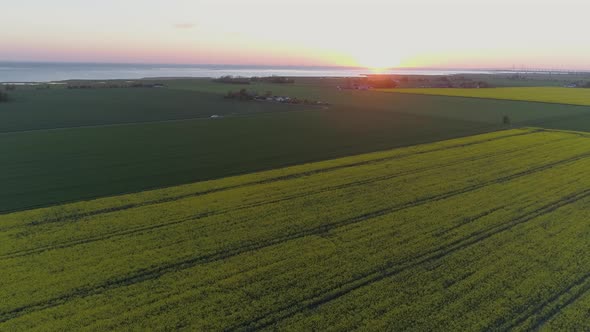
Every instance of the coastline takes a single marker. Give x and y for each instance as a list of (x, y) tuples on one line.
[(37, 72)]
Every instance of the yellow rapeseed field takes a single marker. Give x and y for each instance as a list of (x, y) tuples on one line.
[(554, 95), (486, 232)]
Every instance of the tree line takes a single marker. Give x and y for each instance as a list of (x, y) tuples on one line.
[(228, 79), (245, 95)]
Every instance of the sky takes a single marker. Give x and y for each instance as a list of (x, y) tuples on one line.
[(366, 33)]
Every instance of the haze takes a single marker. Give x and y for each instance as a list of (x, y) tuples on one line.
[(425, 33)]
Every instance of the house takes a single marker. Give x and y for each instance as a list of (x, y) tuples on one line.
[(281, 99)]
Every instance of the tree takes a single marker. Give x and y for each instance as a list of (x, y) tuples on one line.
[(506, 120), (482, 84), (382, 83), (244, 95)]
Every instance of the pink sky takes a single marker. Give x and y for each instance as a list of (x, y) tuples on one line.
[(373, 33)]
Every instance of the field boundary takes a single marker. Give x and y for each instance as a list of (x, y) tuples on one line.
[(264, 181), (243, 207)]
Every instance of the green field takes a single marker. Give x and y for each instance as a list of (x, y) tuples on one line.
[(60, 145), (64, 108), (554, 95), (187, 99), (45, 167), (486, 232)]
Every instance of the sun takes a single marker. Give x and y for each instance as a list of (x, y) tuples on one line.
[(378, 61)]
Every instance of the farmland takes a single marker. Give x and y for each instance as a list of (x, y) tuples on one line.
[(51, 166), (476, 233), (555, 95), (63, 145), (59, 108)]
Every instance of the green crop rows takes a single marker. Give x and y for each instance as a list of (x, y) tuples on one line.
[(484, 232)]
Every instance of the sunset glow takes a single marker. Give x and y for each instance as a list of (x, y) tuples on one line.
[(374, 33), (376, 59)]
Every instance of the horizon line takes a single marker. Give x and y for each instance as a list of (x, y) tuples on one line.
[(509, 69)]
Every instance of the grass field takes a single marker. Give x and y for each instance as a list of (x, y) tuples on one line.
[(63, 108), (52, 166), (188, 99), (479, 233), (60, 145), (554, 95)]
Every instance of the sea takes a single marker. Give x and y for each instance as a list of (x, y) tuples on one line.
[(25, 72)]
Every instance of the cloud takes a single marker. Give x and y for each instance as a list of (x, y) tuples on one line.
[(185, 25)]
